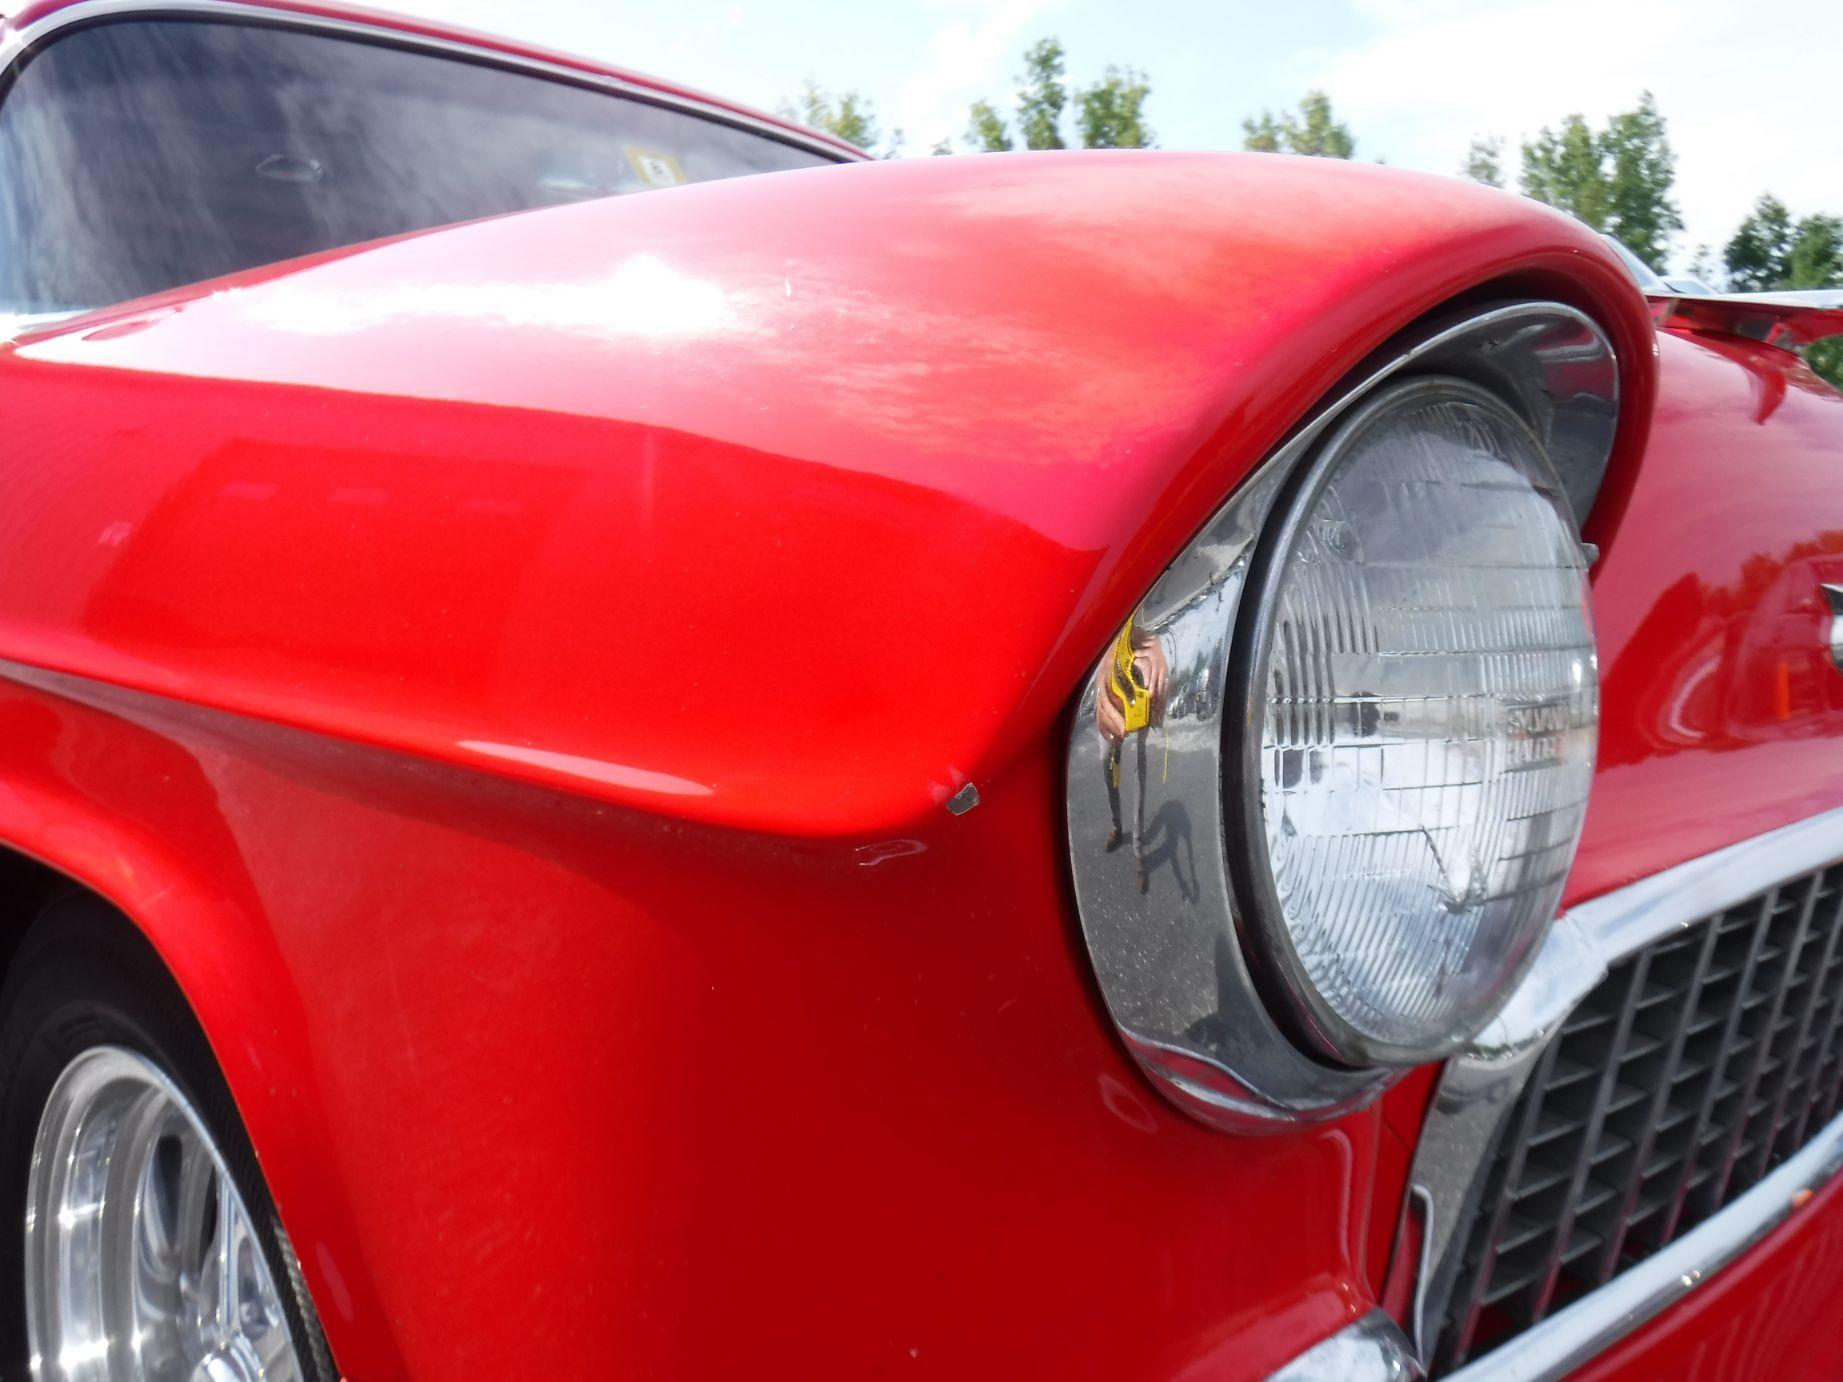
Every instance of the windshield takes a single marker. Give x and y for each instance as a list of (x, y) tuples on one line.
[(1645, 275), (139, 155)]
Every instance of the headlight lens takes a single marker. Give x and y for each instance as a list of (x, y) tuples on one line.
[(1422, 718)]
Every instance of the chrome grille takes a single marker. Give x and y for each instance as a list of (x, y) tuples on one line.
[(1694, 1068)]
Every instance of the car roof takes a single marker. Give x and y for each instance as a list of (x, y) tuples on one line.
[(22, 21)]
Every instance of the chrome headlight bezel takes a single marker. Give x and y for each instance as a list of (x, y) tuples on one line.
[(1174, 965)]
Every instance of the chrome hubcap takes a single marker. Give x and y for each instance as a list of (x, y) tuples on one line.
[(141, 1264)]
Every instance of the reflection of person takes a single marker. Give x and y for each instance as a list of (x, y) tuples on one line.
[(1129, 699)]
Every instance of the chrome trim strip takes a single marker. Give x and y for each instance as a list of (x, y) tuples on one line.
[(1635, 916), (1480, 1087), (1161, 924), (19, 41), (15, 325), (1833, 637), (1371, 1349), (1592, 935), (1575, 1335)]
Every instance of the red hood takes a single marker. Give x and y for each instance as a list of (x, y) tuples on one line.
[(832, 483)]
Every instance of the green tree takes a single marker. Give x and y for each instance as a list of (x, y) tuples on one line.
[(1108, 115), (1816, 257), (1702, 265), (1771, 251), (1315, 131), (1042, 96), (1617, 180), (1318, 132), (1756, 256), (849, 115), (1261, 134), (1640, 172), (1826, 359), (1111, 113), (1484, 161), (1563, 168), (986, 130)]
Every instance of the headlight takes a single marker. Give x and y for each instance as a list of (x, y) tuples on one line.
[(1326, 784), (1421, 711)]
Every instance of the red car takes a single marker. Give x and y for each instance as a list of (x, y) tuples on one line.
[(1095, 765)]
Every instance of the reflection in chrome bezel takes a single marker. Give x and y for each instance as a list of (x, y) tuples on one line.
[(1274, 956), (1171, 961)]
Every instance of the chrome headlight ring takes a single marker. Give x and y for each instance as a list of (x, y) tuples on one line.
[(1181, 934)]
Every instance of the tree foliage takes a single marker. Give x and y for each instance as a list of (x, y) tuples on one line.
[(1564, 168), (1108, 115), (1042, 95), (1318, 132), (1617, 179), (1640, 171), (985, 129), (1262, 134), (1816, 257), (1484, 161), (1111, 113), (1757, 255), (1314, 131), (1826, 357), (849, 115), (1772, 251)]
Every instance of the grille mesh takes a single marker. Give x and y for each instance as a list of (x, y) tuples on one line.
[(1699, 1064)]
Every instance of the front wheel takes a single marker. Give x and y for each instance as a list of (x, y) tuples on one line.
[(150, 1249)]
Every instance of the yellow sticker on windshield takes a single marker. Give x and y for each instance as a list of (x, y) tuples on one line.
[(655, 169)]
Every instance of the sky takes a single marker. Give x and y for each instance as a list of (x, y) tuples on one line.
[(1749, 90)]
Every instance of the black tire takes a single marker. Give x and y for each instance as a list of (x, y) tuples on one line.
[(83, 977)]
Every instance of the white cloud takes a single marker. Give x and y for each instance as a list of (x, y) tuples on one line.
[(1745, 89), (963, 61), (710, 31)]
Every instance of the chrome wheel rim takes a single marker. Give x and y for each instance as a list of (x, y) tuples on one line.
[(141, 1261)]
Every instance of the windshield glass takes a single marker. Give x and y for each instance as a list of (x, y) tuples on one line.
[(139, 155), (1645, 275)]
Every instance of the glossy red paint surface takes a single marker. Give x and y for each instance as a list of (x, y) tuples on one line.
[(700, 1104), (1721, 710), (547, 444), (514, 675)]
